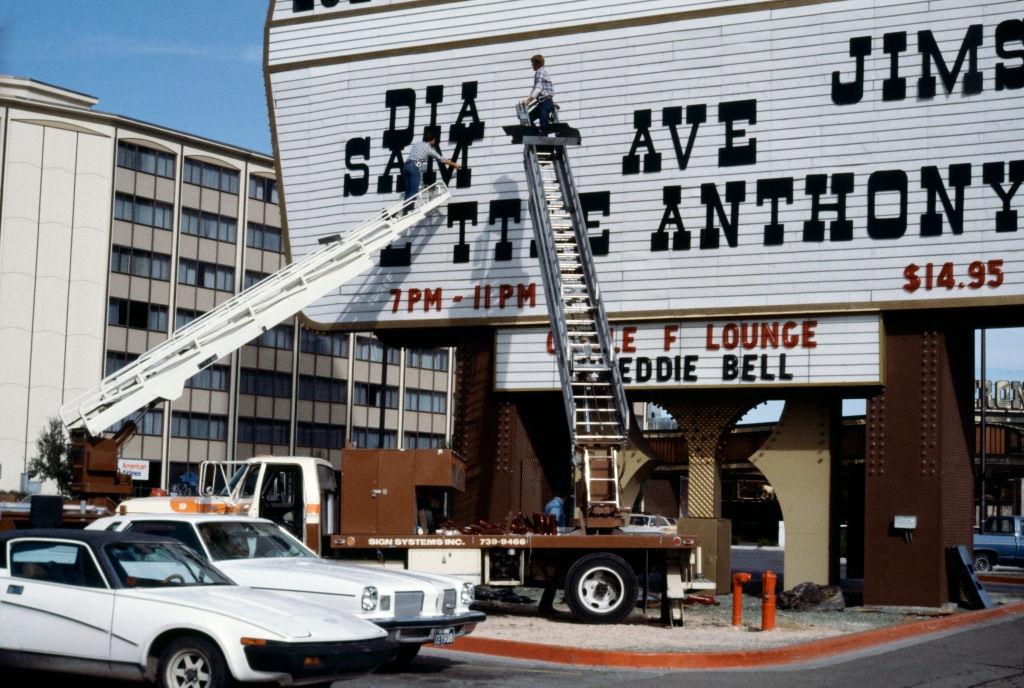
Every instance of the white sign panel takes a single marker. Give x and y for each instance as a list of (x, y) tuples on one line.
[(736, 158), (137, 469), (715, 353)]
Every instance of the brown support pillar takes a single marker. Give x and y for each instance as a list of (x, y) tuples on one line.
[(918, 462), (474, 428)]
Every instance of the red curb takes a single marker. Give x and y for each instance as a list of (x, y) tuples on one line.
[(1009, 580), (739, 659)]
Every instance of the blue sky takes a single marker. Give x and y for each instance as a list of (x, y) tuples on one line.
[(194, 65)]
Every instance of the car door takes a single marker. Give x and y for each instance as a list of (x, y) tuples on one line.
[(56, 600)]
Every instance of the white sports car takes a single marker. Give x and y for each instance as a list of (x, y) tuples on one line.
[(415, 608), (138, 607)]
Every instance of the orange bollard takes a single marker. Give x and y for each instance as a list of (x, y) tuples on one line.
[(738, 579), (768, 601)]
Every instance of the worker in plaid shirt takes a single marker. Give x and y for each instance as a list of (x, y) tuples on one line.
[(412, 170), (543, 93)]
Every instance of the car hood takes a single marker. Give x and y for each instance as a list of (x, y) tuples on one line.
[(319, 575), (280, 615)]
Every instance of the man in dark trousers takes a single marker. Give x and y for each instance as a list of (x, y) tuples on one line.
[(543, 93), (412, 170)]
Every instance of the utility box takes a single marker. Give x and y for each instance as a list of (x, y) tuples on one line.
[(397, 491)]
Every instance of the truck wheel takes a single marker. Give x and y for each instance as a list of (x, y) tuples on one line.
[(601, 588), (982, 562), (191, 662), (406, 653)]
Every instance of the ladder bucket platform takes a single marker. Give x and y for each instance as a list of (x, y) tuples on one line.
[(595, 402)]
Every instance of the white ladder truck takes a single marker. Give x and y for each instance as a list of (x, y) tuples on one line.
[(592, 390), (160, 373)]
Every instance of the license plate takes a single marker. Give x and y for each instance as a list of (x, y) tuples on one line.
[(444, 636)]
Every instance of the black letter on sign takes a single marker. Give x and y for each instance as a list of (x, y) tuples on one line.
[(773, 190), (930, 53), (1009, 77), (396, 257), (672, 117), (992, 173), (885, 181), (357, 186), (839, 229), (735, 193), (502, 211), (461, 213), (731, 155), (463, 135), (895, 87), (592, 202), (672, 197), (652, 159), (302, 5), (848, 94), (931, 180), (396, 139), (435, 95)]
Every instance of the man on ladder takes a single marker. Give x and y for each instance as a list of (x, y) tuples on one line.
[(543, 94)]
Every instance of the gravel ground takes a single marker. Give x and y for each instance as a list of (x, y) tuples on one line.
[(706, 628)]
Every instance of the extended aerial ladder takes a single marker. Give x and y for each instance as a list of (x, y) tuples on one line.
[(160, 373), (595, 401)]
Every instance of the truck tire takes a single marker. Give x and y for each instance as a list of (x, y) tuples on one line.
[(192, 662), (601, 588), (983, 562)]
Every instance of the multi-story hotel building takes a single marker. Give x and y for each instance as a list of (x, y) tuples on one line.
[(114, 232)]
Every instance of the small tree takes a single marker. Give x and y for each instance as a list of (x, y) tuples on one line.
[(52, 461)]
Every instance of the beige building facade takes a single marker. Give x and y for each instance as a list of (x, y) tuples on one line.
[(114, 232)]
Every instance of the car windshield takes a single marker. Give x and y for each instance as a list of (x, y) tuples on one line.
[(239, 540), (160, 565)]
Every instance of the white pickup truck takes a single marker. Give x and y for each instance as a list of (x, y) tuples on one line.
[(414, 608)]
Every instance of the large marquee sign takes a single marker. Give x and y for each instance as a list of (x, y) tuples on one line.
[(720, 353), (789, 156)]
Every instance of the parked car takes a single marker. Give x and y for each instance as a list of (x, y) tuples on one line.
[(137, 607), (414, 608), (1000, 542), (648, 523)]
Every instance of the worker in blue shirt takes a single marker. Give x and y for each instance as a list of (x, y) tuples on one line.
[(556, 508)]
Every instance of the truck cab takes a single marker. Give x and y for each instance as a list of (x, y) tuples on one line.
[(1001, 542), (299, 493)]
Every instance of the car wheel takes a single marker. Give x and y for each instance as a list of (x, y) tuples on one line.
[(601, 588), (406, 653), (191, 662), (982, 562)]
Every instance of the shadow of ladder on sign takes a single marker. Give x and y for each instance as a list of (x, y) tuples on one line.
[(595, 402)]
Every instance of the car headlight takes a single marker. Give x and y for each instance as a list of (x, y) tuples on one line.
[(370, 598), (468, 594)]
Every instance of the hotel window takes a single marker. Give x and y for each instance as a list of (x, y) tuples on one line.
[(425, 401), (266, 383), (145, 160), (206, 275), (431, 359), (364, 394), (423, 440), (319, 435), (321, 389), (199, 426), (141, 263), (263, 189), (143, 211), (117, 360), (211, 176), (183, 316), (324, 343), (280, 337), (209, 225), (252, 277), (214, 378), (262, 431), (366, 438), (137, 314), (264, 237), (368, 349)]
